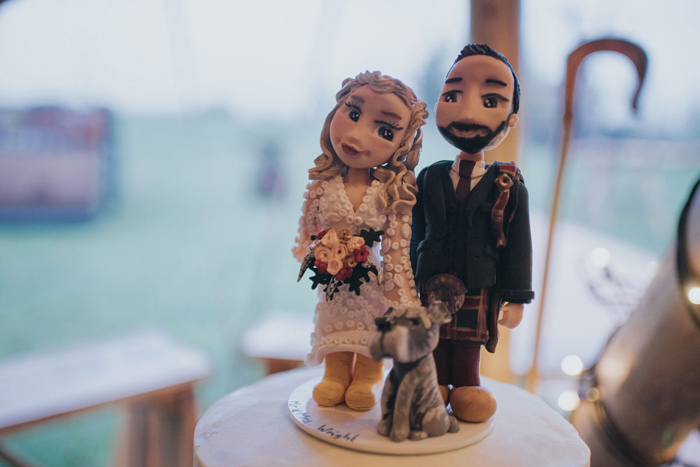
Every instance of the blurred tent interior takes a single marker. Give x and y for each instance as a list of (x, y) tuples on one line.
[(153, 157)]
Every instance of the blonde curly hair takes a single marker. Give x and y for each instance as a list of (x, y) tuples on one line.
[(398, 193)]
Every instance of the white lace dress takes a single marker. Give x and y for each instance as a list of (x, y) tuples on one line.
[(347, 322)]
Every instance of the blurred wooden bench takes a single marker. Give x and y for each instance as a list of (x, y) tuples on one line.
[(279, 340), (150, 374)]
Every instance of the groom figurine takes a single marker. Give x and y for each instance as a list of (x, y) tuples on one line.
[(471, 244)]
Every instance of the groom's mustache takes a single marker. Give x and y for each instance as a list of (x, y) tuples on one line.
[(472, 144), (461, 126)]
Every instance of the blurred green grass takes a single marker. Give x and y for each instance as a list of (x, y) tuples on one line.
[(189, 247)]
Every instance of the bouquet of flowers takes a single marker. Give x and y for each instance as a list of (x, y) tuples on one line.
[(339, 258)]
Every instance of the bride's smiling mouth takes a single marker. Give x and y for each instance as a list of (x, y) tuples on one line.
[(349, 150)]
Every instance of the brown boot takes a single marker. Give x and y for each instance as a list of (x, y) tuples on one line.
[(365, 382), (445, 393), (331, 390), (472, 403)]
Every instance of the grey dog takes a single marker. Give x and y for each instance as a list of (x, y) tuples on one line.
[(411, 403)]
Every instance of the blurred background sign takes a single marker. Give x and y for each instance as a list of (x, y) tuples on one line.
[(55, 164)]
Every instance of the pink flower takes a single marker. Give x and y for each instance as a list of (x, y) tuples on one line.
[(321, 266), (361, 254), (343, 274)]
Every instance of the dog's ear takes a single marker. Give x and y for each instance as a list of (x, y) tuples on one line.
[(388, 313), (382, 323), (439, 314)]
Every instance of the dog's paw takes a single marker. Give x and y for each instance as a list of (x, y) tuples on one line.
[(384, 428), (417, 435), (398, 435)]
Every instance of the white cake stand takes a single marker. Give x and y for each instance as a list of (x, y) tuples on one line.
[(252, 427), (351, 429)]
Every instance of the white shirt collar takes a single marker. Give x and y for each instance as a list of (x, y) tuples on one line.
[(479, 166), (478, 171)]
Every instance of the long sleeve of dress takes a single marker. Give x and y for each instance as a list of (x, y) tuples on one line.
[(418, 220), (308, 222), (398, 281)]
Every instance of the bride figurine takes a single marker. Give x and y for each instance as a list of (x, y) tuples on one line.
[(362, 190)]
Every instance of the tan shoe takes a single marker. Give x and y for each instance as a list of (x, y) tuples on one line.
[(365, 383), (331, 390), (472, 403)]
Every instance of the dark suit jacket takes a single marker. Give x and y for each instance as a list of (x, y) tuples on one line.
[(453, 236)]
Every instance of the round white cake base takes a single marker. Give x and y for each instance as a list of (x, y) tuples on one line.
[(351, 429), (252, 427)]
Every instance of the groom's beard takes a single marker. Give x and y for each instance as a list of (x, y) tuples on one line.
[(474, 144)]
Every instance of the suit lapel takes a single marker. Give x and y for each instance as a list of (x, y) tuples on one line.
[(436, 182), (450, 195)]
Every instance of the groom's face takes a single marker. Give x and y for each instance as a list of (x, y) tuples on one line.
[(474, 112)]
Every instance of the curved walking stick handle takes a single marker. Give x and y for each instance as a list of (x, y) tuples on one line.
[(639, 58), (632, 51)]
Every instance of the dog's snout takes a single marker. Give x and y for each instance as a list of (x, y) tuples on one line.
[(382, 324)]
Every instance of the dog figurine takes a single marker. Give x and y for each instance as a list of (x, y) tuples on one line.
[(411, 403)]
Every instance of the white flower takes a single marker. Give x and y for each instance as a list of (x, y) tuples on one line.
[(334, 265), (355, 243), (330, 239), (339, 251), (322, 253)]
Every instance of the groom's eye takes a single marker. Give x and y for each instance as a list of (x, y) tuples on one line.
[(452, 96), (490, 102)]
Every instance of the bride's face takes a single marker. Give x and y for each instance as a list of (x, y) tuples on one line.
[(368, 128)]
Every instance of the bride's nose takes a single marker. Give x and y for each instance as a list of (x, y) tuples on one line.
[(353, 136)]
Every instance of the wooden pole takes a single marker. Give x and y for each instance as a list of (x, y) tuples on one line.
[(497, 23)]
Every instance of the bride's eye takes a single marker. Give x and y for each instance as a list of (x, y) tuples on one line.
[(386, 133), (354, 111)]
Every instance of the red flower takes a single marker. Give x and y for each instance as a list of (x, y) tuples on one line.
[(344, 273), (321, 266), (320, 235), (361, 254)]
